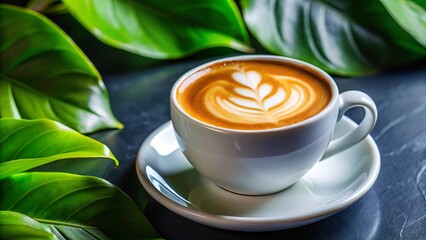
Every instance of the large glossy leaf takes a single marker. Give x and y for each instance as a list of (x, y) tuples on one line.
[(343, 37), (75, 207), (373, 16), (162, 29), (14, 225), (411, 15), (43, 74), (26, 144)]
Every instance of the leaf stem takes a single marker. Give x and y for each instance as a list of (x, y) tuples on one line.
[(63, 223)]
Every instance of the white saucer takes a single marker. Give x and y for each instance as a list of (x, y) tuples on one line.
[(331, 186)]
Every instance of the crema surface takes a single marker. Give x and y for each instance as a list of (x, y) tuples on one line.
[(253, 94)]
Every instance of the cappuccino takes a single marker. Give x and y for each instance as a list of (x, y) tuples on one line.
[(253, 94)]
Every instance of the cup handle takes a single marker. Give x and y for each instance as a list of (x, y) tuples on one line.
[(348, 100)]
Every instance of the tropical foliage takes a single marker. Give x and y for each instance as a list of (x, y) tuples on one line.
[(50, 92)]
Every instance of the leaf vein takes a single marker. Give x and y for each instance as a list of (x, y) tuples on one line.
[(19, 150), (21, 38), (14, 132), (307, 12), (33, 189), (40, 54), (63, 196), (88, 204), (43, 94)]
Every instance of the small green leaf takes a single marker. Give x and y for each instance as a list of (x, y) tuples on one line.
[(26, 144), (348, 38), (74, 206), (43, 74), (163, 29), (410, 15), (14, 225)]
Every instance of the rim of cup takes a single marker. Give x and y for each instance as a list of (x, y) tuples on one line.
[(298, 63)]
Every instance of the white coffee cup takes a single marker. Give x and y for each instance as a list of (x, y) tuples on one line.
[(257, 162)]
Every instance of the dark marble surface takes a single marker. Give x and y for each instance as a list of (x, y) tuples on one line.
[(394, 208)]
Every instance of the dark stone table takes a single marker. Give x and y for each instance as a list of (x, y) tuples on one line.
[(395, 207)]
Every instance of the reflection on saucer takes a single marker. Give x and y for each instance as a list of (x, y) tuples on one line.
[(161, 185)]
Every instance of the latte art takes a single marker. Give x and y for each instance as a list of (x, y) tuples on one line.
[(256, 99), (253, 95)]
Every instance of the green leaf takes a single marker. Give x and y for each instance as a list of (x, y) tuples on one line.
[(75, 207), (410, 15), (43, 74), (163, 29), (342, 37), (26, 144), (14, 225)]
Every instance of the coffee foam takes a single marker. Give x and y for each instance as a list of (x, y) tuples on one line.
[(238, 95)]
